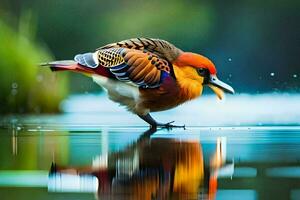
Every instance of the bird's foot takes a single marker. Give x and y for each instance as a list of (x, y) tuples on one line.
[(168, 125), (154, 125)]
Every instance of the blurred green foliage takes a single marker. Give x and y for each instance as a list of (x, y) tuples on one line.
[(248, 40), (23, 86), (253, 43)]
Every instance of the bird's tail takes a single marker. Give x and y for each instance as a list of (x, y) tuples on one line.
[(66, 65)]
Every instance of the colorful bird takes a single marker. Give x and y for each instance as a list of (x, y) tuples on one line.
[(147, 75)]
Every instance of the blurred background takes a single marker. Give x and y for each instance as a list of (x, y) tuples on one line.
[(254, 44)]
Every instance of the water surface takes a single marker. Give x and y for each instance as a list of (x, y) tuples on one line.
[(247, 147), (44, 161)]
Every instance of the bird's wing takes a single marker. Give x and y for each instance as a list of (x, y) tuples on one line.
[(160, 47), (144, 69)]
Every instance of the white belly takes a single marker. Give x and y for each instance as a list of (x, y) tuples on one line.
[(123, 93)]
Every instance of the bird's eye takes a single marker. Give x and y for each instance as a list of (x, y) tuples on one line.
[(203, 72)]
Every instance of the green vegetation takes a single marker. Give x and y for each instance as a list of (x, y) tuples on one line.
[(23, 86), (252, 43)]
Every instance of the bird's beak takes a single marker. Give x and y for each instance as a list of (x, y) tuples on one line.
[(219, 87)]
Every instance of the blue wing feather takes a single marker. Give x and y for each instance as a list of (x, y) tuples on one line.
[(86, 60)]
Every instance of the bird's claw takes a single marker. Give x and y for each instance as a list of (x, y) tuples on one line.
[(168, 125)]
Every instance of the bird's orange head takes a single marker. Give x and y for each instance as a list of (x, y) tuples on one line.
[(206, 69), (195, 60)]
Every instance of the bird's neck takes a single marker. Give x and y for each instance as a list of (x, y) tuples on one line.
[(189, 81)]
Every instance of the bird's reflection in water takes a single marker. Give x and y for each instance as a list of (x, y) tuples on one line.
[(156, 168)]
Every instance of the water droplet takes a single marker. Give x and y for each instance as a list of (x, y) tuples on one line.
[(14, 85), (230, 75), (14, 92), (39, 78), (272, 74), (295, 75), (229, 59)]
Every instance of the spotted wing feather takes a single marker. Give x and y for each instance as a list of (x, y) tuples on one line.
[(160, 47), (144, 69)]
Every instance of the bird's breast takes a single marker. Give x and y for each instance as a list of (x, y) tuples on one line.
[(167, 96)]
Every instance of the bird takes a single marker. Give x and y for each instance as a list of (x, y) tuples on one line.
[(147, 75)]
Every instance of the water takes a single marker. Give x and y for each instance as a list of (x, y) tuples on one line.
[(73, 162), (243, 150)]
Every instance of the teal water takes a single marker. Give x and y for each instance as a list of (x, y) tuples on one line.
[(44, 161), (247, 147)]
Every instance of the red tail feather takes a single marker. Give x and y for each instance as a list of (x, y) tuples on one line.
[(70, 65)]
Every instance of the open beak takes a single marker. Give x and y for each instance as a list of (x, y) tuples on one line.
[(219, 87)]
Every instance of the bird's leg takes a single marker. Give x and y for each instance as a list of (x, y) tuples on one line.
[(145, 137), (148, 118)]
